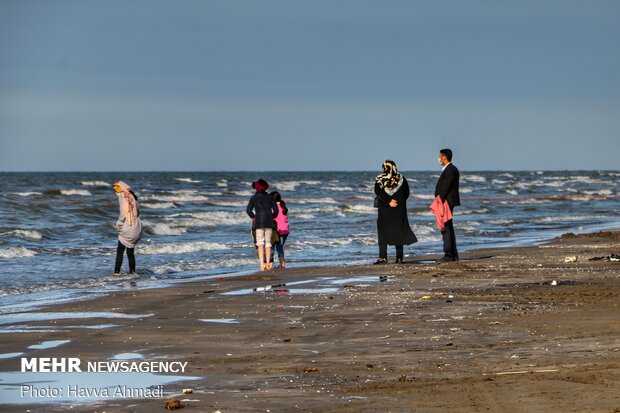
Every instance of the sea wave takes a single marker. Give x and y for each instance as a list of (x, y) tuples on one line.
[(316, 201), (564, 218), (16, 252), (338, 188), (158, 205), (215, 218), (180, 247), (360, 209), (161, 228), (180, 197), (244, 193), (24, 233), (81, 192), (189, 180), (602, 192), (27, 193), (179, 267), (474, 178), (95, 183)]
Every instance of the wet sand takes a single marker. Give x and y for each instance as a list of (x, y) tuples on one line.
[(493, 332)]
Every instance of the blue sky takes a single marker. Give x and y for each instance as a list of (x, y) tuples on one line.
[(308, 85)]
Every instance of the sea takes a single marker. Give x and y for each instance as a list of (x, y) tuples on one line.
[(58, 238)]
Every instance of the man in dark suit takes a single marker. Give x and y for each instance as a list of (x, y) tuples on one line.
[(448, 190)]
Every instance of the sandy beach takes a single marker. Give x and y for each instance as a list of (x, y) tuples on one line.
[(530, 329)]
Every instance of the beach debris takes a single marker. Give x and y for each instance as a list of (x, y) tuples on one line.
[(381, 338), (383, 278), (426, 297), (507, 373), (287, 340), (402, 377), (554, 282), (261, 289), (173, 404), (349, 286), (397, 314), (188, 391), (572, 258), (612, 257), (208, 291), (310, 370)]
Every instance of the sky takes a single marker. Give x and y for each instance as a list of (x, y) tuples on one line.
[(287, 85)]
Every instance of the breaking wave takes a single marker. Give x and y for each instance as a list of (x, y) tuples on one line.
[(16, 252)]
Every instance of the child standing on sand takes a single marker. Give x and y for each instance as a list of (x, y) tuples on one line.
[(281, 226), (262, 208)]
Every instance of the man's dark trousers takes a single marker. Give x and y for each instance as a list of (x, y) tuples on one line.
[(449, 241)]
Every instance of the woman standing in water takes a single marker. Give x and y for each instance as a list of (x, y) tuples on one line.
[(262, 209), (393, 228), (128, 225)]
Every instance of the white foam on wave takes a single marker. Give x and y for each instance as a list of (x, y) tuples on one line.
[(466, 190), (222, 183), (202, 265), (215, 218), (564, 218), (426, 233), (587, 180), (24, 233), (158, 205), (473, 211), (500, 221), (602, 192), (320, 243), (338, 188), (16, 252), (511, 192), (27, 193), (244, 192), (180, 247), (474, 178), (507, 175), (286, 185), (423, 196), (304, 215), (161, 228), (178, 196), (95, 183), (81, 192), (526, 201), (292, 185), (360, 209), (316, 201), (189, 180)]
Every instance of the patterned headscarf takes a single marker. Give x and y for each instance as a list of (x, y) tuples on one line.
[(390, 179), (128, 202)]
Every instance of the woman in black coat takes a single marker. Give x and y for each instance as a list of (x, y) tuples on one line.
[(393, 228)]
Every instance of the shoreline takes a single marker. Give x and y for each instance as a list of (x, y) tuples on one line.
[(22, 300), (490, 331)]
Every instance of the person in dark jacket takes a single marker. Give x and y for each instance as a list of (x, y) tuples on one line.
[(262, 208), (393, 228), (447, 189)]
